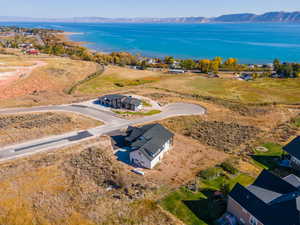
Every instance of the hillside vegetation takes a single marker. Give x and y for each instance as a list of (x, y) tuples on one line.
[(79, 185), (47, 84), (17, 128), (259, 91)]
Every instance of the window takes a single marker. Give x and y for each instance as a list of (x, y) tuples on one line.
[(253, 221)]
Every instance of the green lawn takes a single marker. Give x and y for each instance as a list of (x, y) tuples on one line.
[(268, 160), (198, 208), (216, 183), (146, 103), (174, 204), (149, 113)]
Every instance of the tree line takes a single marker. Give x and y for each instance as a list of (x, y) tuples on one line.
[(286, 69)]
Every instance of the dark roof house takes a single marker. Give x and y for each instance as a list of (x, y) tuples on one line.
[(121, 101), (271, 200), (293, 148), (149, 140)]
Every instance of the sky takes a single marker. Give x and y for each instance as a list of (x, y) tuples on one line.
[(140, 8)]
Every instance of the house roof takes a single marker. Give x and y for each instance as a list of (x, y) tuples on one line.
[(293, 180), (269, 198), (293, 148), (148, 139), (122, 98)]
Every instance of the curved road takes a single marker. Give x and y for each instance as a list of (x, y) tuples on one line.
[(111, 123)]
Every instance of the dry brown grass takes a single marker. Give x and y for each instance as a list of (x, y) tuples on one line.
[(24, 127), (47, 84), (119, 79), (48, 189), (184, 161)]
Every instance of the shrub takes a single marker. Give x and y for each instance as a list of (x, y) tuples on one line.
[(297, 121), (119, 84), (229, 167), (211, 173)]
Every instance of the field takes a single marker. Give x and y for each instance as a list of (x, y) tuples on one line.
[(86, 184), (81, 185), (284, 91), (47, 84), (24, 127), (119, 79), (115, 79)]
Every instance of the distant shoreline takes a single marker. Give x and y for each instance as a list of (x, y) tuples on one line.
[(277, 17), (66, 37), (91, 42)]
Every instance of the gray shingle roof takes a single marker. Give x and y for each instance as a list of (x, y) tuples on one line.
[(293, 148), (122, 98), (270, 199), (293, 180), (148, 139)]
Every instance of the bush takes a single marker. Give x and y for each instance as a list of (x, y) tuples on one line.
[(119, 84), (229, 167), (297, 121), (211, 173)]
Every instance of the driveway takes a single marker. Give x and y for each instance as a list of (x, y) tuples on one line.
[(112, 123)]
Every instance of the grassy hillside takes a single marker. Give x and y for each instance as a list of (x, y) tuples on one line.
[(266, 90), (118, 78), (258, 91), (47, 84)]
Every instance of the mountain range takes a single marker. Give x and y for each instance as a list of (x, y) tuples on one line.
[(278, 17)]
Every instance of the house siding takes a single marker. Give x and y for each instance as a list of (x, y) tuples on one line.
[(295, 163), (138, 158), (242, 215), (167, 146)]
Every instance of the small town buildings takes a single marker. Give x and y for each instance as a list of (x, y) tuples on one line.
[(176, 65), (212, 75), (176, 71), (121, 102), (245, 77), (293, 149), (32, 52), (148, 144), (25, 45), (270, 200)]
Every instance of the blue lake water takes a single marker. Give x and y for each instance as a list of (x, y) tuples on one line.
[(250, 43)]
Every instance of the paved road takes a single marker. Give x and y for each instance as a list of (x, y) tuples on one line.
[(112, 123), (93, 112)]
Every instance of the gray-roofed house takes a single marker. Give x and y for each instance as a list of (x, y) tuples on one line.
[(148, 144), (121, 102), (270, 200), (293, 149)]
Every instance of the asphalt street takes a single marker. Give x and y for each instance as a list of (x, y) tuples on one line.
[(111, 123)]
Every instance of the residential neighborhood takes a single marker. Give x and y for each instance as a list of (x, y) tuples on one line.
[(148, 116)]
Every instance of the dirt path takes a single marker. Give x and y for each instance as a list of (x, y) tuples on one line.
[(7, 78)]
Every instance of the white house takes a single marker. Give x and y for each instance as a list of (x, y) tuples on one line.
[(148, 144)]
